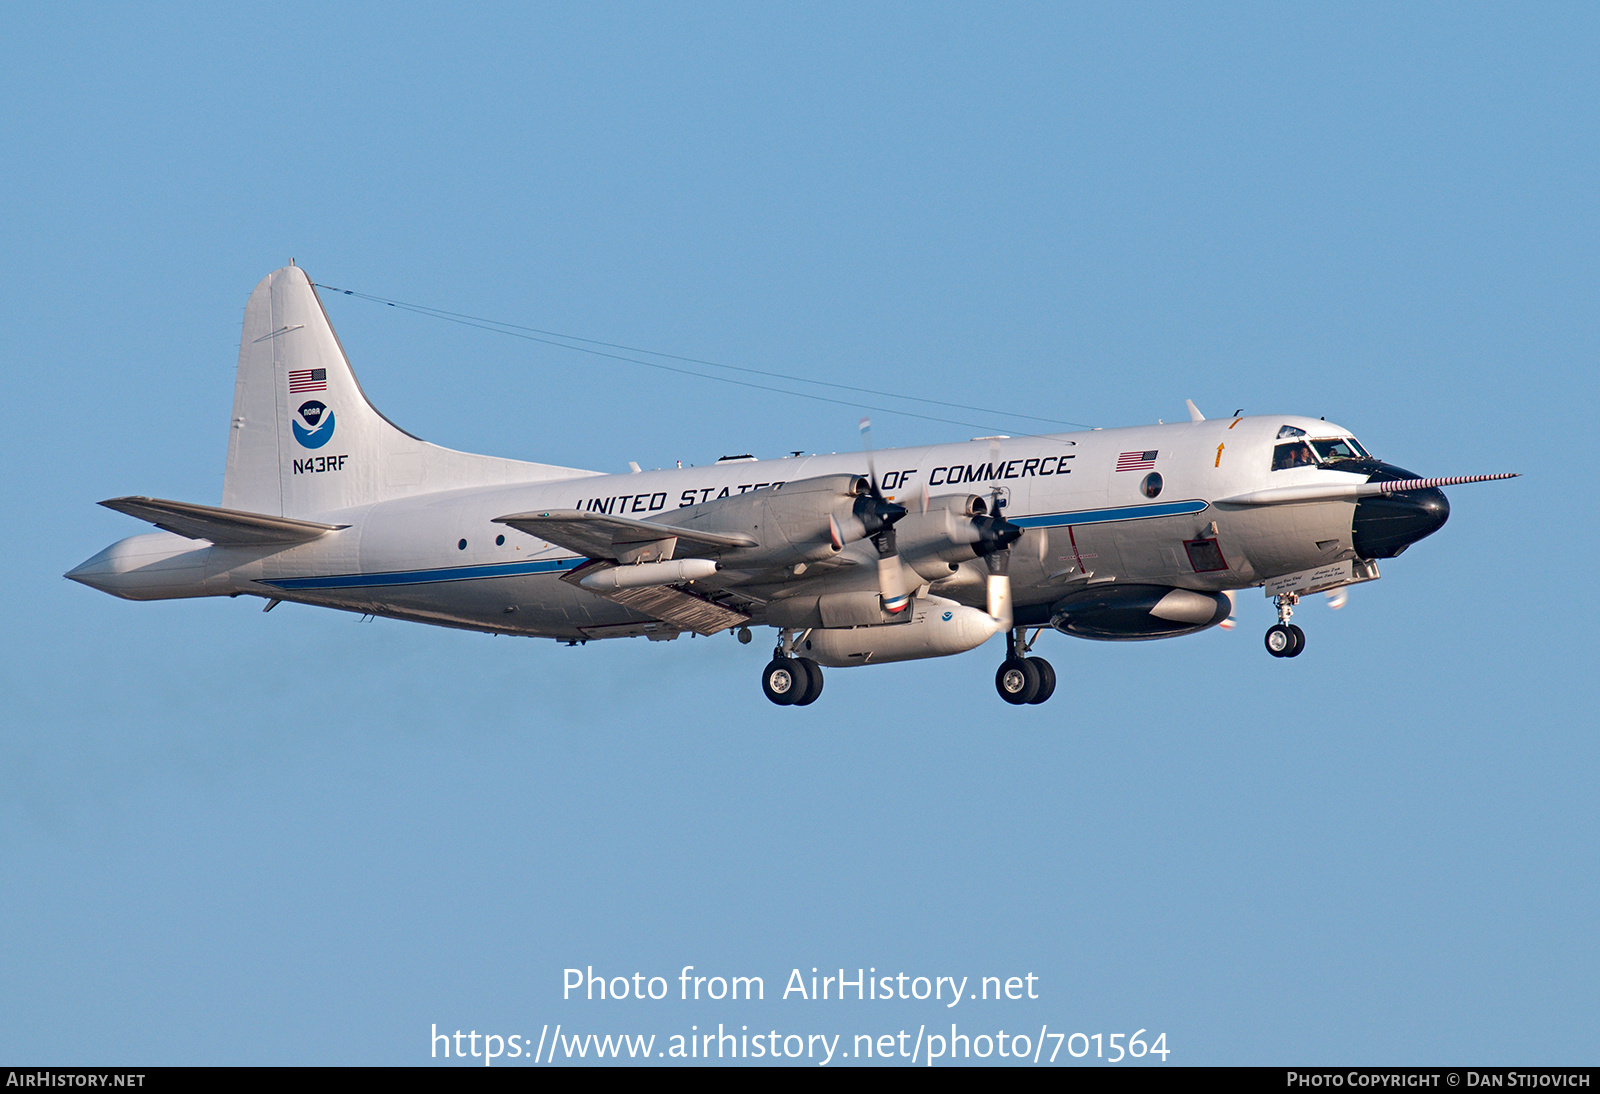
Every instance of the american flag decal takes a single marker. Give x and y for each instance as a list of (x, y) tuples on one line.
[(307, 379), (1136, 461)]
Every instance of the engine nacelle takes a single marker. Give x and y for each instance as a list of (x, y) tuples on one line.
[(791, 520), (933, 542), (1132, 613), (937, 628)]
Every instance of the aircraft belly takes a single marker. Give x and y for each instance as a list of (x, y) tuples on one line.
[(528, 605)]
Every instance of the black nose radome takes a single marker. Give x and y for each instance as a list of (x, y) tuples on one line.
[(1386, 525)]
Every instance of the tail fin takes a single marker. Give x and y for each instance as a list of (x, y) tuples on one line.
[(304, 440)]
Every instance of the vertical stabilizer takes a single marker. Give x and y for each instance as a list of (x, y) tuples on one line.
[(304, 440)]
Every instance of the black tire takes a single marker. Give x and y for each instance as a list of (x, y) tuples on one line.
[(1047, 679), (813, 682), (1280, 640), (1299, 641), (1017, 680), (784, 681)]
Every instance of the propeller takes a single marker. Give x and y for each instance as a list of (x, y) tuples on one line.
[(878, 516), (996, 534)]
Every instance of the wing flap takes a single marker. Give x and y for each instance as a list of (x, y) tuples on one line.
[(683, 610), (672, 604), (224, 527)]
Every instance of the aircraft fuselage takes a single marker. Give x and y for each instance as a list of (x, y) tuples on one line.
[(439, 558)]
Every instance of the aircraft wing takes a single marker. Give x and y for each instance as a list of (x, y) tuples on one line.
[(224, 527), (619, 539), (608, 540)]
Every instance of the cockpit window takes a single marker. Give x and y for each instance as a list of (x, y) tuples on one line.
[(1294, 454), (1290, 431), (1344, 448)]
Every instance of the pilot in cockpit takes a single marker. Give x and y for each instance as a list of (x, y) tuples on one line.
[(1294, 454)]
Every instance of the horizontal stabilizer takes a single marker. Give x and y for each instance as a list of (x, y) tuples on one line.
[(224, 527), (596, 535), (1333, 491)]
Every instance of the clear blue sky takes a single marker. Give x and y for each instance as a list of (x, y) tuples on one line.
[(299, 837)]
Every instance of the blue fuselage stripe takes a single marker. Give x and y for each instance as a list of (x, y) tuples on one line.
[(423, 577), (1106, 516), (558, 565)]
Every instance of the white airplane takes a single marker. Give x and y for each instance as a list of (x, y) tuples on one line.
[(1115, 534)]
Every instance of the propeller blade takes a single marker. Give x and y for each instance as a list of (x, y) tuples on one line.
[(999, 563), (1338, 598), (1233, 606), (879, 515), (891, 575), (918, 498), (996, 534), (876, 512), (872, 462)]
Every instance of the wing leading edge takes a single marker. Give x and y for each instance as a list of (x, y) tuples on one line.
[(618, 539)]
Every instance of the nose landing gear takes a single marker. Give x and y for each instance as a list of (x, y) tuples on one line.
[(1284, 639), (1023, 680)]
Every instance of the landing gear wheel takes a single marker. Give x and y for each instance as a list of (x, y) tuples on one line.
[(813, 686), (1017, 680), (1047, 679), (784, 680), (1299, 641), (1281, 641)]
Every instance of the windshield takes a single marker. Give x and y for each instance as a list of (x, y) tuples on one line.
[(1318, 453), (1343, 448)]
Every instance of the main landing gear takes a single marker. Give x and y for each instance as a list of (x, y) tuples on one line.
[(1021, 679), (791, 681), (1284, 639)]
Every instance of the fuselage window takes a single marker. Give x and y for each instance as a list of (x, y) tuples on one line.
[(1295, 454), (1290, 431)]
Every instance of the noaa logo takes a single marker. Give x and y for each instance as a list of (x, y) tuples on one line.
[(319, 418), (947, 616)]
